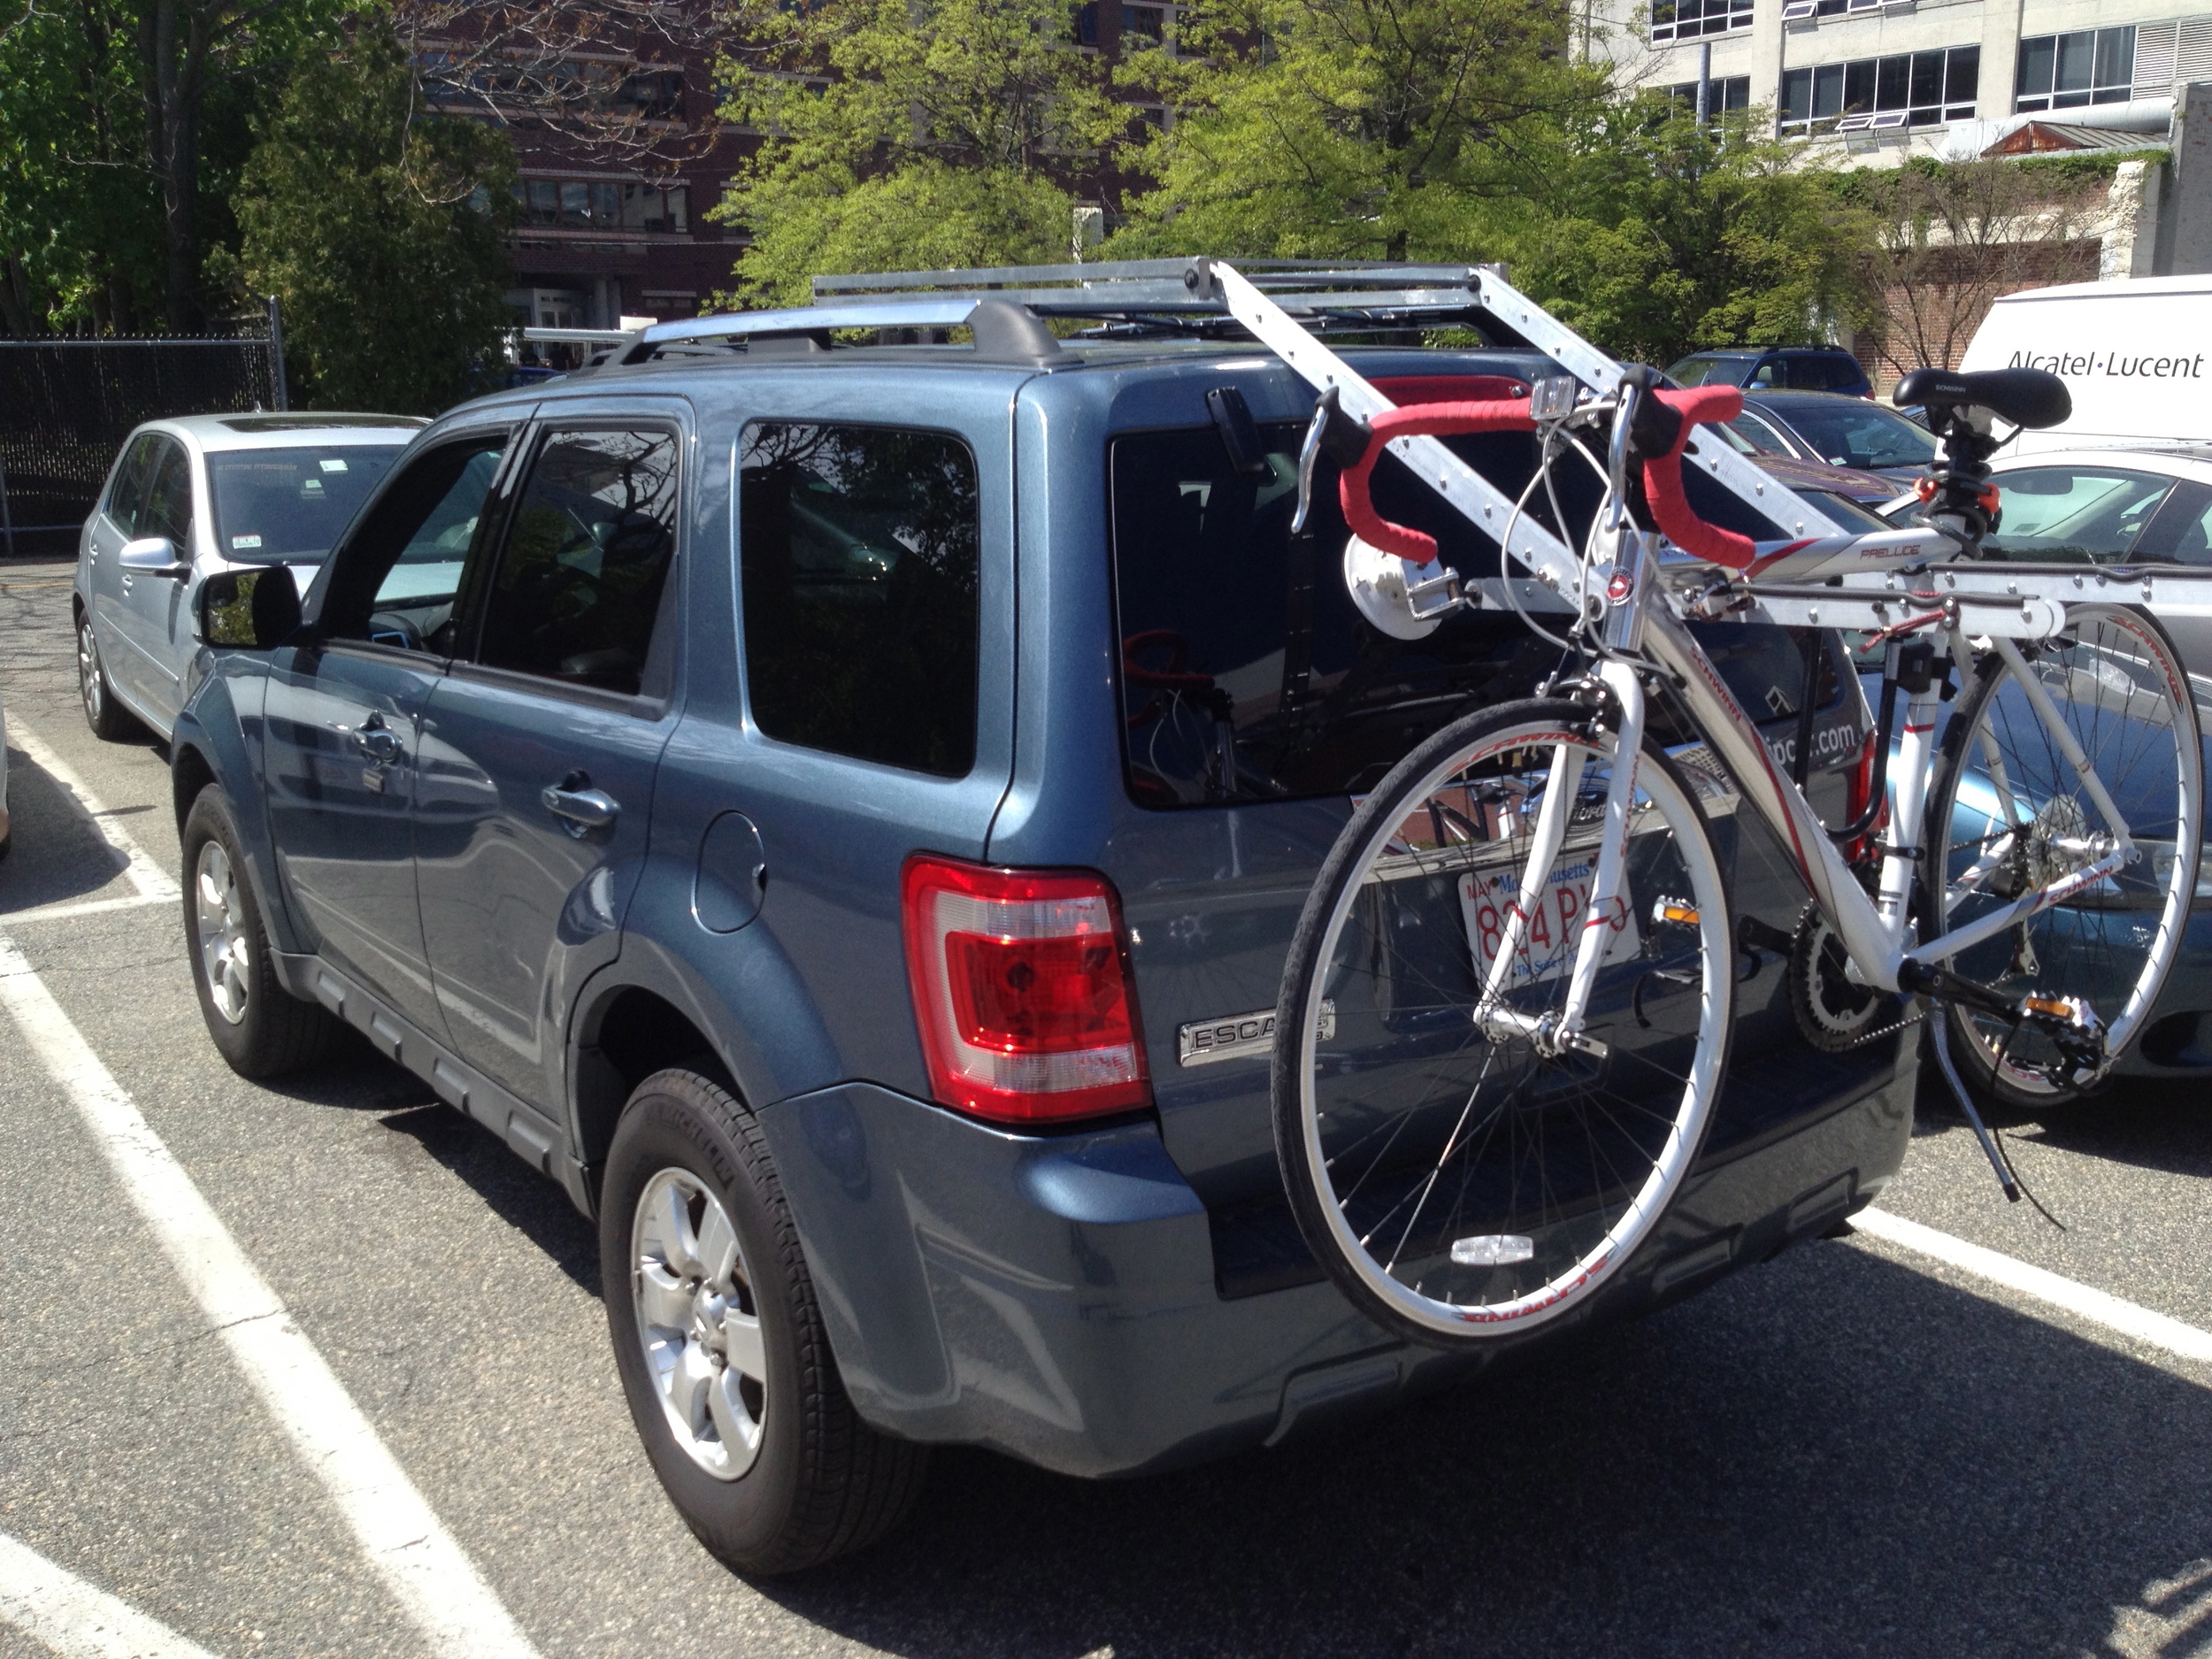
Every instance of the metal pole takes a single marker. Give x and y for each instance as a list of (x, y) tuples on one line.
[(1704, 92), (276, 343), (7, 517)]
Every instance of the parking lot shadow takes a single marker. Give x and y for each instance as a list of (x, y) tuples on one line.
[(1828, 1455), (56, 853)]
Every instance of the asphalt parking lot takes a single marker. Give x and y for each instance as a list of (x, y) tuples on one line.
[(1855, 1448)]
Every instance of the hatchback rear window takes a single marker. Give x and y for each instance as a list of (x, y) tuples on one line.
[(1223, 698)]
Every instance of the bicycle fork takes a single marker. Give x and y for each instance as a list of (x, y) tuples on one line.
[(1561, 1029)]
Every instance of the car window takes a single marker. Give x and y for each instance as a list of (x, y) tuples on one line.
[(1762, 438), (862, 548), (1767, 375), (1699, 371), (578, 583), (1860, 433), (290, 503), (395, 578), (126, 498), (2073, 514), (169, 497), (1807, 374), (2181, 531)]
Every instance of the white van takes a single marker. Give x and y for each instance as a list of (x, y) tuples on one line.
[(2136, 354)]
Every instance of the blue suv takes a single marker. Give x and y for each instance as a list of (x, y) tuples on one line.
[(842, 811)]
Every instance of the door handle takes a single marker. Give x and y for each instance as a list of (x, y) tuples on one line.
[(378, 740), (580, 808)]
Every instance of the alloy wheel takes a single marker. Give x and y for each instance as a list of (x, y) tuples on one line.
[(220, 918), (90, 682), (698, 1323)]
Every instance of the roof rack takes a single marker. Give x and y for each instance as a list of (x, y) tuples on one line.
[(1008, 302)]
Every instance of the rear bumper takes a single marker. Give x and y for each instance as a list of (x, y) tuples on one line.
[(1055, 1299)]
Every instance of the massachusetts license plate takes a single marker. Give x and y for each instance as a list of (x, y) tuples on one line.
[(1555, 927)]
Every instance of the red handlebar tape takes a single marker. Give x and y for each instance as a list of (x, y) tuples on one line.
[(1663, 479), (1443, 420), (1662, 476)]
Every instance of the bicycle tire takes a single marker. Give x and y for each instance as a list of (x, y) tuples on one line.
[(2115, 679), (1572, 1158)]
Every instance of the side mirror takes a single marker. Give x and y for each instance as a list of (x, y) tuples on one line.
[(153, 556), (250, 610)]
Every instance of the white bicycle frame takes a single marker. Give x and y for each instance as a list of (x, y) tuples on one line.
[(1993, 602)]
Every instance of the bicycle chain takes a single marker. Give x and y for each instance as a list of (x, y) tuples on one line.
[(1885, 1031)]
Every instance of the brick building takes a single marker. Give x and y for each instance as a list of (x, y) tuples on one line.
[(622, 154)]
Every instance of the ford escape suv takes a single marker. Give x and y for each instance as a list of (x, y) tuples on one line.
[(842, 811)]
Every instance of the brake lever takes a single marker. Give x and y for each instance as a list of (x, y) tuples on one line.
[(1308, 453)]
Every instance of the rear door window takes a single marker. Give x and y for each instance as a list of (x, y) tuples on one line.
[(1809, 374), (861, 553)]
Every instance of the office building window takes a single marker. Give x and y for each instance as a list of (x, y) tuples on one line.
[(587, 205), (1730, 94), (2065, 72), (1687, 20), (1877, 94)]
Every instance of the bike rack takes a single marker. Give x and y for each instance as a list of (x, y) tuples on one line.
[(1291, 305)]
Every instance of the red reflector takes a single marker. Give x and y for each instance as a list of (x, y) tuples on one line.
[(1021, 991)]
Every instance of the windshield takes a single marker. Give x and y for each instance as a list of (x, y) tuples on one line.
[(1860, 433), (1697, 371), (289, 505)]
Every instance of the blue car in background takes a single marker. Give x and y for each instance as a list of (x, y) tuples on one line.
[(840, 812)]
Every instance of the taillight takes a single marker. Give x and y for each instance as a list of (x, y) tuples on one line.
[(1022, 991)]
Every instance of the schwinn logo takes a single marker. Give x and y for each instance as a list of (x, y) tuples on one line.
[(1204, 1042)]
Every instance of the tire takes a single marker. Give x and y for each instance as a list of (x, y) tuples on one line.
[(1457, 1186), (109, 719), (721, 1345), (2119, 687), (262, 1030)]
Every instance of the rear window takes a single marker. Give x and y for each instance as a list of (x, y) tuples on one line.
[(1223, 700), (290, 503)]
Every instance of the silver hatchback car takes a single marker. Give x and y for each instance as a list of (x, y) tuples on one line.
[(191, 496)]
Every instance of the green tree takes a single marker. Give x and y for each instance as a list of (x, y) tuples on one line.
[(907, 135), (381, 230), (1655, 238), (122, 130), (1350, 128)]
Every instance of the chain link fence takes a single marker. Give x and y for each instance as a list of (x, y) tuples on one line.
[(67, 405)]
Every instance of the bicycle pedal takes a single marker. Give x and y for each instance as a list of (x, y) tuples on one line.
[(2075, 1031)]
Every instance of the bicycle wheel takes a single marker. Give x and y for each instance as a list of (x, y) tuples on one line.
[(2008, 812), (1460, 1182)]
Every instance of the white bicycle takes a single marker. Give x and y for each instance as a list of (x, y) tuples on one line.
[(1505, 1018)]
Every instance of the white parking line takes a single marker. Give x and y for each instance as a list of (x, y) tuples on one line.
[(419, 1560), (2097, 1307), (151, 880), (76, 1620), (85, 907)]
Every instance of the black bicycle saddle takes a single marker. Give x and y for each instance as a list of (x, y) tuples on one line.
[(2026, 397)]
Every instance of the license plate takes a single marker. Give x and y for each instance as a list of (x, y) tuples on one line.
[(1555, 927)]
